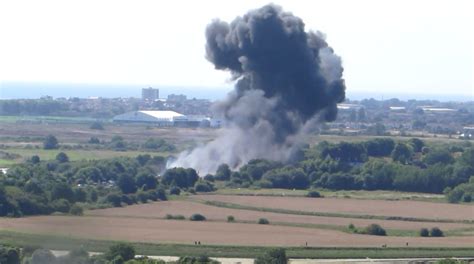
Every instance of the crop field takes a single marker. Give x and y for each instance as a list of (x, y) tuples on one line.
[(407, 209), (146, 223)]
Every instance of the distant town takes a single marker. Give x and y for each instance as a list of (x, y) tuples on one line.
[(356, 117)]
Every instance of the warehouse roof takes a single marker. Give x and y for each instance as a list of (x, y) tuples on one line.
[(162, 114)]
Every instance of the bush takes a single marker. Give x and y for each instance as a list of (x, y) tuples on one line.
[(273, 256), (313, 194), (76, 210), (230, 218), (94, 140), (42, 256), (424, 232), (203, 186), (197, 217), (376, 230), (196, 260), (436, 232), (61, 205), (263, 221), (35, 159), (50, 142), (175, 190), (175, 217), (9, 255), (97, 125), (123, 250), (62, 157), (114, 199)]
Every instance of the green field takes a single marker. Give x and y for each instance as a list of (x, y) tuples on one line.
[(55, 119), (353, 194), (73, 155)]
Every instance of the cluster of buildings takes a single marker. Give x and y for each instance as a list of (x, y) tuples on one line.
[(165, 118)]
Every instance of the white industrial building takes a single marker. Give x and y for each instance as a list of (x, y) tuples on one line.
[(158, 118), (163, 119)]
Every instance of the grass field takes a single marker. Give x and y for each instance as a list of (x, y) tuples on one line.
[(73, 155), (353, 194)]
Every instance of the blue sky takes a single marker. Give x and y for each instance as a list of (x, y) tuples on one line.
[(419, 47)]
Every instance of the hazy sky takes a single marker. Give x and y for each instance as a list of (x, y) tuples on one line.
[(417, 46)]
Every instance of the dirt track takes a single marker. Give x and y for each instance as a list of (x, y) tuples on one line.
[(163, 231), (352, 206)]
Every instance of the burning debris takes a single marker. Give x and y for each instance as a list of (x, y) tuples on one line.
[(287, 79)]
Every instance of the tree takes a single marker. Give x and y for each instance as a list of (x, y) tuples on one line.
[(50, 142), (223, 172), (263, 221), (197, 217), (438, 156), (62, 157), (123, 250), (417, 144), (126, 183), (401, 153), (146, 181), (62, 191), (114, 199), (376, 230), (424, 232), (203, 186), (94, 140), (42, 256), (379, 147), (436, 232), (273, 256), (183, 178), (35, 159), (76, 210)]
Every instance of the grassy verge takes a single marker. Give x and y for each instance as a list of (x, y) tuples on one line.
[(327, 214), (66, 243), (353, 194)]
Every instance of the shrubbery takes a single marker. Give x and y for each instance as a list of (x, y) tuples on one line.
[(263, 221), (436, 232), (375, 229), (273, 256), (424, 232), (197, 217), (175, 217)]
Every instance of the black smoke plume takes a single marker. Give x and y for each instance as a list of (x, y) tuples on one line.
[(287, 79)]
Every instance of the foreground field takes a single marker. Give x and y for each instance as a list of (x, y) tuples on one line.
[(146, 223), (211, 233)]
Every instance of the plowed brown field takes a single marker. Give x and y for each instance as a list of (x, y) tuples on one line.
[(171, 231), (415, 209), (186, 208)]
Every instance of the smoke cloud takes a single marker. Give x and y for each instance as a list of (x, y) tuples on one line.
[(286, 80)]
